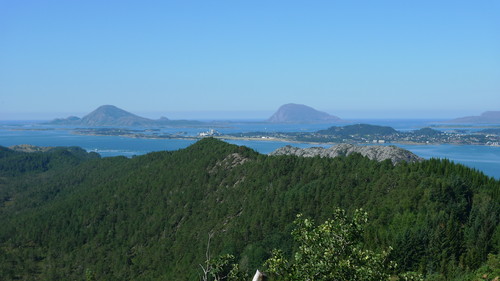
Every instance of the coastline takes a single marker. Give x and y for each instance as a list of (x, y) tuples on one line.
[(274, 139), (137, 142)]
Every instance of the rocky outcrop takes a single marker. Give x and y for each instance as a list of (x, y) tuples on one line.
[(373, 152), (228, 163)]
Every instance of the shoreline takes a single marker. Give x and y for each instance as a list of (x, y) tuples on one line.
[(460, 140), (272, 139)]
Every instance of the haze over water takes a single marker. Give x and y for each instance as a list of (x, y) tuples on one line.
[(483, 158)]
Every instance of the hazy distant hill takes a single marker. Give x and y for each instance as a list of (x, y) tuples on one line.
[(359, 129), (299, 113), (427, 132), (110, 115), (66, 121), (488, 117)]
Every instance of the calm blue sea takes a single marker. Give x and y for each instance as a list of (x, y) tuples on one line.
[(483, 158)]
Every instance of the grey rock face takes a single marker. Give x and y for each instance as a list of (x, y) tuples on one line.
[(373, 152), (231, 161)]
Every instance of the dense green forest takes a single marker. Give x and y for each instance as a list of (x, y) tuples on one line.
[(70, 215)]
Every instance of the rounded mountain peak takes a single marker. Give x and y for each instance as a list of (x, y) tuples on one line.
[(299, 113), (111, 109), (110, 115)]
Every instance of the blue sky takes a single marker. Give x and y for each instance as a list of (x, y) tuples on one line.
[(244, 59)]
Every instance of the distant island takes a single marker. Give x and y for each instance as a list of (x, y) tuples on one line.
[(352, 134), (109, 120), (110, 115), (488, 117), (299, 113), (366, 133)]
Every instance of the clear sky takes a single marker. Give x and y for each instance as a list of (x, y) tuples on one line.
[(244, 59)]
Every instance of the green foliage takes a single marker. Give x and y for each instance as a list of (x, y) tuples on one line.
[(411, 276), (14, 163), (490, 270), (146, 218), (333, 250), (223, 268)]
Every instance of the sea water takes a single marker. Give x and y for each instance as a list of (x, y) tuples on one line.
[(483, 158)]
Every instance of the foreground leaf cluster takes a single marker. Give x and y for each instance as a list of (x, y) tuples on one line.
[(331, 251)]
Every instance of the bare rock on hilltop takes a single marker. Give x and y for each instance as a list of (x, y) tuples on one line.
[(373, 152)]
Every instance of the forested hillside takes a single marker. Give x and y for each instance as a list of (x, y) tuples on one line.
[(69, 215)]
